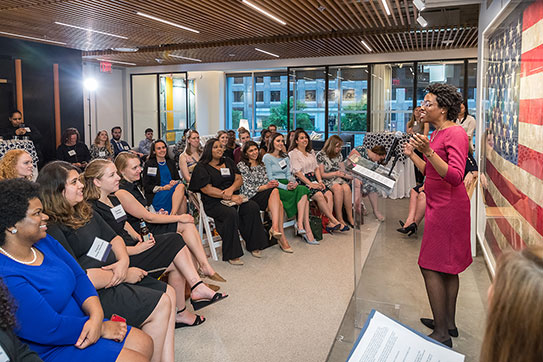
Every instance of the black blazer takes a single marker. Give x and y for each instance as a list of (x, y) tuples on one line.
[(149, 182)]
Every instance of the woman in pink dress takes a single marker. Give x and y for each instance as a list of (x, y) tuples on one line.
[(445, 250)]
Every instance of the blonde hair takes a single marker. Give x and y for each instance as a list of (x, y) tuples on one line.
[(329, 147), (515, 318), (8, 163), (121, 161), (52, 179), (188, 147), (95, 170), (107, 143)]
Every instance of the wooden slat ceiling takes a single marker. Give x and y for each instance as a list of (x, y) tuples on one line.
[(230, 30)]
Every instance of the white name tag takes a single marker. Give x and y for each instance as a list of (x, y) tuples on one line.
[(283, 164), (225, 171), (99, 250), (27, 129), (118, 213), (71, 153), (151, 171), (102, 153), (3, 355), (126, 147)]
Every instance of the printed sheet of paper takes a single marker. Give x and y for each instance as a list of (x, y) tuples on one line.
[(385, 340)]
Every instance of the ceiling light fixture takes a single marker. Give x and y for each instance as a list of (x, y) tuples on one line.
[(422, 21), (265, 52), (419, 4), (91, 30), (182, 57), (264, 12), (125, 50), (32, 38), (386, 6), (366, 45), (167, 22), (115, 61), (90, 84)]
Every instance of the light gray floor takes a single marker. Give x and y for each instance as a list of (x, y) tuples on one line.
[(289, 307)]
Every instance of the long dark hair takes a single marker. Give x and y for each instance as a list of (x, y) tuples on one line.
[(271, 147), (263, 133), (152, 154), (207, 153), (297, 134), (245, 158), (68, 132)]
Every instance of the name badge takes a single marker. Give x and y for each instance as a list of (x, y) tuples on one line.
[(102, 153), (118, 213), (126, 147), (3, 355), (225, 171), (99, 250), (71, 153), (27, 129), (151, 171), (283, 164)]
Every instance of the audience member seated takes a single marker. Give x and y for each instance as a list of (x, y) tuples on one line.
[(272, 128), (58, 312), (376, 154), (415, 125), (304, 166), (223, 139), (293, 196), (289, 139), (18, 129), (161, 182), (467, 122), (179, 147), (257, 187), (72, 150), (157, 254), (265, 135), (133, 200), (231, 144), (244, 136), (14, 350), (126, 291), (334, 177), (145, 144), (191, 155), (16, 164), (218, 180), (101, 148), (514, 324), (120, 145)]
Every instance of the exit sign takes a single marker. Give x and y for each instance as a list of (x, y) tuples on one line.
[(105, 67)]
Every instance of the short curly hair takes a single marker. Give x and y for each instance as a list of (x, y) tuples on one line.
[(448, 97), (7, 308), (8, 163), (15, 195)]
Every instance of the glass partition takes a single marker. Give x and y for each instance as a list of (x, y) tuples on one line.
[(308, 85), (172, 106), (144, 104), (239, 99), (450, 72)]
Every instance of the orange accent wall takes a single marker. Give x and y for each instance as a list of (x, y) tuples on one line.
[(56, 97), (19, 84)]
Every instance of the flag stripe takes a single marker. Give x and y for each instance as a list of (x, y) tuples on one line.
[(530, 86), (530, 111), (532, 212), (532, 36), (529, 135), (491, 241), (532, 15), (531, 61), (512, 237), (531, 161)]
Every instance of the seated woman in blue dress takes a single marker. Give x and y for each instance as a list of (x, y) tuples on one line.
[(58, 311), (161, 181)]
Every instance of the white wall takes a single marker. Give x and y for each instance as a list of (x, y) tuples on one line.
[(145, 107), (210, 100)]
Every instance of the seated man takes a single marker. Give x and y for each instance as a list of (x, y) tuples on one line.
[(120, 145), (145, 144)]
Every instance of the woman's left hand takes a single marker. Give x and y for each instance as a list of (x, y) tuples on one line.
[(321, 185), (421, 143), (92, 329), (292, 185), (119, 269)]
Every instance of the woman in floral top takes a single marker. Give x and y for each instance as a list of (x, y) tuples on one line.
[(101, 148), (264, 192), (334, 177)]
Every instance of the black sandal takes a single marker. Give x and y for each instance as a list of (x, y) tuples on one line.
[(199, 320), (201, 303)]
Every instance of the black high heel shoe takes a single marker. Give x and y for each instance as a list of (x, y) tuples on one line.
[(410, 230)]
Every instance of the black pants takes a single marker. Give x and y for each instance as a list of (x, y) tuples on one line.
[(246, 219)]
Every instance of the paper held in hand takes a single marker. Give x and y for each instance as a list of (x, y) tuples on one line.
[(372, 173), (384, 339)]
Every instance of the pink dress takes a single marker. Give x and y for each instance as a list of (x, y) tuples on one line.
[(446, 242)]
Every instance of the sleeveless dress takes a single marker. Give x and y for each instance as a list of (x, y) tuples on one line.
[(163, 199)]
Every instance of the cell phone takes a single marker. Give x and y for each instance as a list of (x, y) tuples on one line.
[(117, 318)]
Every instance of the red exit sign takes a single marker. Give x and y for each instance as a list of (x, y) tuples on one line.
[(105, 67)]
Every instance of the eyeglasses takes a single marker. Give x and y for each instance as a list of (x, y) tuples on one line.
[(425, 104)]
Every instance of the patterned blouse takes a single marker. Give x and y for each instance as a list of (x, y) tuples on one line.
[(330, 165), (100, 152), (253, 178)]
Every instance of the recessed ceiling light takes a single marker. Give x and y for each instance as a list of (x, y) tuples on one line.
[(32, 38), (231, 55), (91, 30), (264, 12), (265, 52), (422, 21), (115, 61), (419, 4), (386, 6), (125, 50), (366, 45), (187, 58), (167, 22)]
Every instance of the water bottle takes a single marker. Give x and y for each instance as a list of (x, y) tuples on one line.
[(144, 231)]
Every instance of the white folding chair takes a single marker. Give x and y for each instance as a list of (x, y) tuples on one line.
[(204, 222)]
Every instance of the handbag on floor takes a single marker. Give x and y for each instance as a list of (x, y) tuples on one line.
[(316, 226)]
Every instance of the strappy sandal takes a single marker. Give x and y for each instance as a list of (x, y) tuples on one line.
[(201, 303), (199, 320)]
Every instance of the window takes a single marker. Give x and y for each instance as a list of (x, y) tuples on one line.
[(275, 96), (239, 100), (238, 80), (444, 72), (275, 79), (260, 96), (259, 79), (310, 95), (238, 96)]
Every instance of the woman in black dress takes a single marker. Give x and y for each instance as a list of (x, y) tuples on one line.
[(161, 253), (127, 291), (218, 180)]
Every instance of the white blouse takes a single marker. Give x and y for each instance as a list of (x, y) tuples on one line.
[(301, 163)]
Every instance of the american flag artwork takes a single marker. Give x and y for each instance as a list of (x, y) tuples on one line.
[(513, 144)]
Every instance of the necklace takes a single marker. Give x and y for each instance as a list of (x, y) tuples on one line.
[(434, 135), (162, 163), (20, 261)]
